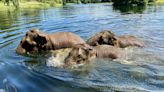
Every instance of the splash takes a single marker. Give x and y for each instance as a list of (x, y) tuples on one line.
[(57, 57)]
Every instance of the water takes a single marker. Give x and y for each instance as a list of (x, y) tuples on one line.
[(141, 70)]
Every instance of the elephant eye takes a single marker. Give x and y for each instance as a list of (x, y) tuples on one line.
[(32, 31), (79, 56), (89, 49), (21, 42), (78, 62)]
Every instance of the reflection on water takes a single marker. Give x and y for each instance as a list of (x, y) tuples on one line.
[(130, 9), (141, 70)]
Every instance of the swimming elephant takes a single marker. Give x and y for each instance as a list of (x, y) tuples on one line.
[(36, 41), (109, 38), (103, 37), (127, 40), (84, 53)]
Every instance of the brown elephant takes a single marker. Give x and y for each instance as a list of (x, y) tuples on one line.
[(103, 37), (84, 53), (109, 38), (36, 41), (127, 40)]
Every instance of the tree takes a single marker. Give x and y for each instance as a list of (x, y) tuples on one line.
[(15, 3), (6, 2), (130, 2)]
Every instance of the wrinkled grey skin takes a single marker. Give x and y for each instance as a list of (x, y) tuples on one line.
[(109, 38), (36, 41), (84, 53)]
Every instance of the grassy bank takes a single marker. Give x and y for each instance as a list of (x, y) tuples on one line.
[(160, 1), (57, 3), (27, 5)]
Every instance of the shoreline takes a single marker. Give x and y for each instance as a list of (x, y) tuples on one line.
[(28, 5), (40, 5), (160, 1)]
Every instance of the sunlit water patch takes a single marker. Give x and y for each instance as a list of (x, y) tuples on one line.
[(141, 70)]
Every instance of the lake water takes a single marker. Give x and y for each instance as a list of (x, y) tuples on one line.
[(142, 70)]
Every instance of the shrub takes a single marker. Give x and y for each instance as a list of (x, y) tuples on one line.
[(152, 0), (130, 9), (130, 2)]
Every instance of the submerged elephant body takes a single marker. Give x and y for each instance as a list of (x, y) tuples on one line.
[(109, 38), (36, 41), (126, 41), (84, 53), (107, 51)]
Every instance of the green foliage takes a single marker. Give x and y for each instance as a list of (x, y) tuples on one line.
[(130, 2), (130, 9), (106, 0), (63, 2), (52, 2), (68, 1), (90, 1), (15, 2), (152, 0), (72, 1)]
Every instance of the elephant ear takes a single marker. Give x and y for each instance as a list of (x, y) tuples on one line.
[(100, 41), (41, 39), (38, 36), (116, 41)]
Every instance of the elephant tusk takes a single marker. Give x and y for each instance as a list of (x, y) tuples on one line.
[(28, 39), (34, 43)]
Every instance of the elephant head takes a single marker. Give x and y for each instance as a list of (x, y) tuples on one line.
[(80, 54), (34, 40), (104, 37)]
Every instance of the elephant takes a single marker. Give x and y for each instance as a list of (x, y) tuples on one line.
[(103, 37), (84, 53), (127, 40), (37, 41), (109, 38)]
